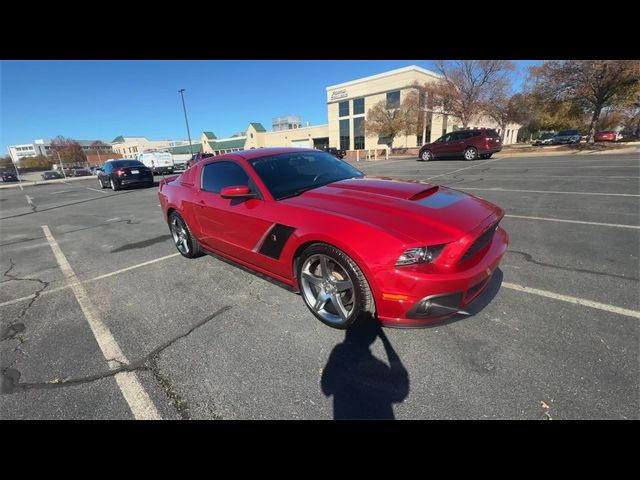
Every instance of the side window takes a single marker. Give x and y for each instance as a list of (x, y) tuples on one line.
[(107, 167), (217, 175)]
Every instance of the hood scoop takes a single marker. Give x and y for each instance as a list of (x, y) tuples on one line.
[(424, 193)]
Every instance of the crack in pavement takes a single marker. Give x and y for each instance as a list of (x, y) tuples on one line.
[(528, 258), (10, 378), (14, 327)]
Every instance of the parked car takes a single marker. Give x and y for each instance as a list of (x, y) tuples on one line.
[(407, 252), (545, 139), (51, 175), (471, 144), (196, 157), (606, 136), (8, 176), (124, 173), (336, 152), (81, 172), (566, 136), (158, 162)]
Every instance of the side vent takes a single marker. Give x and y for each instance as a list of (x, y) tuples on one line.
[(275, 241)]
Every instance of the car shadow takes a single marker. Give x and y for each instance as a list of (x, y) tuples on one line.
[(363, 386)]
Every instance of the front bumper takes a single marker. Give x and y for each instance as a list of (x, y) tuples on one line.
[(413, 299)]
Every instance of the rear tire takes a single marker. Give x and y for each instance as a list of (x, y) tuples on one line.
[(333, 287), (183, 239), (486, 155), (470, 153), (114, 186)]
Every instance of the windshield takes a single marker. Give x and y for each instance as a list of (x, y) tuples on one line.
[(293, 173)]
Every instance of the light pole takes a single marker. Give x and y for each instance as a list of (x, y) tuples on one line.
[(185, 119)]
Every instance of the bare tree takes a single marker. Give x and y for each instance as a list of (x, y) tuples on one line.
[(69, 150), (388, 122), (466, 86), (591, 85), (505, 109)]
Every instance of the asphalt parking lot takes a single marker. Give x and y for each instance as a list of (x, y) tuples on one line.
[(90, 273)]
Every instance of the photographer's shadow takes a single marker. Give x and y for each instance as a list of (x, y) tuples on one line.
[(364, 387)]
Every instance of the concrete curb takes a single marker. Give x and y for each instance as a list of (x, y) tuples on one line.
[(46, 182)]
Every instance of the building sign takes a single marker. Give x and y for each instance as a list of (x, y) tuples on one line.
[(338, 94)]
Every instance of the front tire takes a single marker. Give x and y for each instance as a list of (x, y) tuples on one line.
[(426, 156), (470, 153), (332, 286), (486, 155), (185, 242), (102, 185)]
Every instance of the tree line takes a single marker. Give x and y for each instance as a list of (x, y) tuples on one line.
[(589, 95)]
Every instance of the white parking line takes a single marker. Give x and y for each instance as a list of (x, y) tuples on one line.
[(94, 279), (96, 190), (58, 193), (575, 300), (497, 189), (466, 168), (134, 393), (617, 225)]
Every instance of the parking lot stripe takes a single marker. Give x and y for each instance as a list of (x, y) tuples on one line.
[(96, 190), (552, 192), (134, 393), (575, 300), (94, 279), (466, 168), (635, 227), (617, 225)]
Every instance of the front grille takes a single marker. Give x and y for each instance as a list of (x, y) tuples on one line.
[(481, 242)]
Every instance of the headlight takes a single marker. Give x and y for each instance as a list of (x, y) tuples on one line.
[(419, 255)]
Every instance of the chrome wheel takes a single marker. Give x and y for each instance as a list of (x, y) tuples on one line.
[(426, 155), (180, 235), (470, 154), (328, 289)]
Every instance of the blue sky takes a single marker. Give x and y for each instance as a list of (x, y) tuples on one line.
[(103, 99)]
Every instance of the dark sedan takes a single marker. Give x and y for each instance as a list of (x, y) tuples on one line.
[(51, 175), (125, 173), (8, 177), (81, 172)]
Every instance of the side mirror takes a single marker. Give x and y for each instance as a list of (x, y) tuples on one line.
[(238, 191)]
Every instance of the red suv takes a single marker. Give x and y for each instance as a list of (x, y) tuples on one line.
[(470, 144)]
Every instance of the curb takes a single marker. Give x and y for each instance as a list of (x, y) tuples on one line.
[(46, 182)]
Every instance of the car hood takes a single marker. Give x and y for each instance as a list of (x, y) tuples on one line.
[(411, 210)]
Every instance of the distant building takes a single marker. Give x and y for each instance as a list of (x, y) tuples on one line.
[(131, 146), (288, 122), (43, 147)]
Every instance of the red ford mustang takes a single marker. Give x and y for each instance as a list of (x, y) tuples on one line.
[(408, 252)]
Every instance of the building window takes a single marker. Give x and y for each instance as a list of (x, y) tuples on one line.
[(343, 109), (358, 106), (393, 99), (344, 135), (358, 133)]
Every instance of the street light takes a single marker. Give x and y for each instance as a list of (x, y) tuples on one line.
[(185, 119)]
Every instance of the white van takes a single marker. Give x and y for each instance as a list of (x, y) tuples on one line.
[(158, 162)]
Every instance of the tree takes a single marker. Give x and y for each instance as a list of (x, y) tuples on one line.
[(466, 86), (39, 161), (591, 85), (69, 150), (504, 109), (388, 122), (6, 162)]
